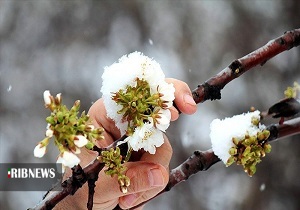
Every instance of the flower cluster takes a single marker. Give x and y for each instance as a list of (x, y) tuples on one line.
[(137, 98), (69, 131), (292, 92), (114, 162), (241, 139)]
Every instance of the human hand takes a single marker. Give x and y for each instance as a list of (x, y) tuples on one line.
[(148, 175)]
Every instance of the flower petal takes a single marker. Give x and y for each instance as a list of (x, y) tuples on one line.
[(39, 151), (80, 141), (70, 159)]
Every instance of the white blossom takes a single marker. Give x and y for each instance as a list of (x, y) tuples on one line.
[(68, 159), (167, 91), (47, 98), (80, 140), (39, 151), (163, 119), (146, 137), (222, 132)]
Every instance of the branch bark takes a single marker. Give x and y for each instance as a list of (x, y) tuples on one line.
[(211, 89)]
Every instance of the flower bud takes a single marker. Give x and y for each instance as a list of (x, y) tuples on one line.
[(47, 97), (58, 98), (49, 133), (39, 150)]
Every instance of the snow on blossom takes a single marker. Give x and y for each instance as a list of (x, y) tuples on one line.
[(222, 132), (123, 76)]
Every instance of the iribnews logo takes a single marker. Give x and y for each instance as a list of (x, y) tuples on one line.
[(36, 173), (30, 176)]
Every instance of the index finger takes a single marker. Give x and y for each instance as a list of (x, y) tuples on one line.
[(183, 96)]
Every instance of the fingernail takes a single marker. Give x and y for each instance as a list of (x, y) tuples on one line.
[(155, 178), (189, 100), (130, 199)]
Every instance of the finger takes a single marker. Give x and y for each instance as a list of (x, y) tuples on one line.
[(183, 96), (98, 114), (174, 113), (148, 177), (162, 157)]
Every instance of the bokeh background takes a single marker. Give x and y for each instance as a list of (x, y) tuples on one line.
[(64, 45)]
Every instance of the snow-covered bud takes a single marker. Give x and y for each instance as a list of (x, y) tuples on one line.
[(222, 132)]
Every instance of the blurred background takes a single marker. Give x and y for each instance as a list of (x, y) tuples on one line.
[(64, 45)]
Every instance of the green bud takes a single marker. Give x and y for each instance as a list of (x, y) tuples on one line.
[(260, 136), (232, 151), (267, 148), (252, 170), (266, 133), (60, 117), (255, 121), (247, 151), (230, 161), (50, 120), (89, 145), (235, 140)]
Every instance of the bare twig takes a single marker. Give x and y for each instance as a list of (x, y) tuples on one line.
[(211, 89)]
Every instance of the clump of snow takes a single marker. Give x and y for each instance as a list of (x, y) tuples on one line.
[(222, 132)]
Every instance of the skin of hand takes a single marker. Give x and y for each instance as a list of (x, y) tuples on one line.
[(148, 175)]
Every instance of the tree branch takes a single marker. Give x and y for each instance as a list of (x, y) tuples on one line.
[(199, 161), (211, 89), (203, 160)]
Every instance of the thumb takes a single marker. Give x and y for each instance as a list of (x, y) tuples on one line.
[(146, 180)]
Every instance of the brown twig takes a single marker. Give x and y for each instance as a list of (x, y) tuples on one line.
[(79, 177), (211, 89), (71, 185)]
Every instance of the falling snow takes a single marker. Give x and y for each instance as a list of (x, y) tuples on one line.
[(262, 187), (150, 42), (9, 88)]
